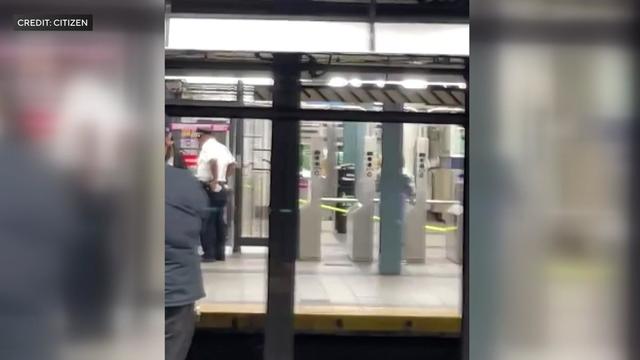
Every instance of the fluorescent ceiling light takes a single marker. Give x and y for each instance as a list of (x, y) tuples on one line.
[(414, 84), (267, 35), (333, 82), (355, 82), (316, 36), (421, 84), (338, 82), (422, 39), (460, 85), (256, 81), (445, 108)]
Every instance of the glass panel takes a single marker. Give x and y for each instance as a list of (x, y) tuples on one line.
[(370, 91), (381, 226), (380, 246), (354, 208), (235, 284), (256, 165)]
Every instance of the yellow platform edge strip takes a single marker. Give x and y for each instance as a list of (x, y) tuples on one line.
[(336, 320)]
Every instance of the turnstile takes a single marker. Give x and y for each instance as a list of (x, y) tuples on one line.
[(311, 211), (346, 189), (455, 218), (444, 182), (414, 241), (360, 216)]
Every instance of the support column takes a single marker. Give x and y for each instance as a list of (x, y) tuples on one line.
[(353, 143), (237, 127), (237, 130), (391, 200), (331, 176), (283, 210)]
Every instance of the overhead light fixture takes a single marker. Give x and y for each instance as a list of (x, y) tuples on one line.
[(380, 83), (338, 82), (414, 84), (451, 109), (460, 85), (189, 79), (256, 81), (355, 82)]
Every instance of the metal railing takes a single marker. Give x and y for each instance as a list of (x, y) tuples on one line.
[(443, 229)]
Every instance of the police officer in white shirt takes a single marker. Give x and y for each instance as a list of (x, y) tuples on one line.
[(215, 166)]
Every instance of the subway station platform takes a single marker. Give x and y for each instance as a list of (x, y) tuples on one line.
[(336, 295)]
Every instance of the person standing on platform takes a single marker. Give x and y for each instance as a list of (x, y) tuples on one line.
[(168, 147), (184, 213), (215, 166), (173, 156)]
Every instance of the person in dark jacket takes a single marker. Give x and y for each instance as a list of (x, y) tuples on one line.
[(34, 244), (185, 202)]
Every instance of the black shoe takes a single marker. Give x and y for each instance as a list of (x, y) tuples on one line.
[(207, 259), (220, 258)]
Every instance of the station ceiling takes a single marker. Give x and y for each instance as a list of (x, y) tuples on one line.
[(358, 10)]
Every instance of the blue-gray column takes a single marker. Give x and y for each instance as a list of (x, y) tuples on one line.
[(391, 201), (331, 176), (353, 144)]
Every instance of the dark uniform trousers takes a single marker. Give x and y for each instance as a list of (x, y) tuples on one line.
[(179, 326), (214, 231)]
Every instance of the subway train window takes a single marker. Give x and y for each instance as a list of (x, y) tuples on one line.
[(233, 241), (381, 208), (381, 203), (348, 222)]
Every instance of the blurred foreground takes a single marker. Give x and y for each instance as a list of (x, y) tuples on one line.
[(552, 120), (81, 264)]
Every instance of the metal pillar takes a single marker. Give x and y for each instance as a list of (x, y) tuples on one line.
[(483, 352), (283, 216), (311, 212), (353, 143), (237, 127), (414, 236), (360, 216), (331, 183), (454, 241), (391, 201)]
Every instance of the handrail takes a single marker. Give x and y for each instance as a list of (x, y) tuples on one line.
[(354, 200), (443, 229)]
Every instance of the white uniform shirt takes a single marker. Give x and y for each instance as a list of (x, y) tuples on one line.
[(212, 149)]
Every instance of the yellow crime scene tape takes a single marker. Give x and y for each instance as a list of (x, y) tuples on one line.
[(443, 229)]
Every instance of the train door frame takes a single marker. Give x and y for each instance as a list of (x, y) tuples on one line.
[(286, 115), (239, 240)]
